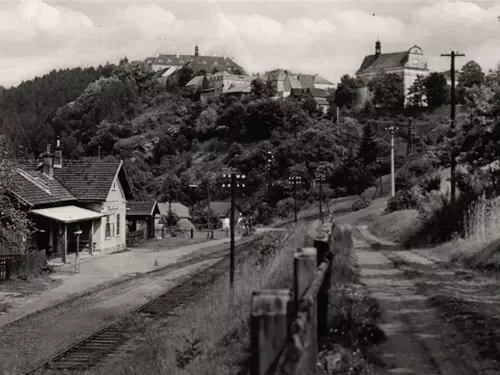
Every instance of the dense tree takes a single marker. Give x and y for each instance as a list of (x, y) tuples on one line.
[(26, 110), (436, 89), (344, 94), (471, 74), (388, 90), (15, 227), (417, 97), (186, 74), (368, 146), (262, 89)]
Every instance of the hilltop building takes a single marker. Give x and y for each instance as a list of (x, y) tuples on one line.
[(408, 64), (170, 63)]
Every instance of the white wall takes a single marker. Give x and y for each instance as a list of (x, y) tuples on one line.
[(115, 204)]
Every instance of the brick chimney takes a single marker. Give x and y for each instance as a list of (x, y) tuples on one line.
[(48, 163), (58, 160)]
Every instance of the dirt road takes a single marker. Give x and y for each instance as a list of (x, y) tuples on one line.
[(24, 344), (437, 320)]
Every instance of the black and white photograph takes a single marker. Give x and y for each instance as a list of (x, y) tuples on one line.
[(249, 187)]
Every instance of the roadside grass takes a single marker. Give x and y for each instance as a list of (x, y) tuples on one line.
[(211, 336), (349, 347), (480, 247), (395, 226)]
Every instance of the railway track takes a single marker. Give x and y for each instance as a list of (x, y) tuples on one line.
[(94, 348)]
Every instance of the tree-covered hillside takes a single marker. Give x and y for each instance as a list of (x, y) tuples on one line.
[(169, 140)]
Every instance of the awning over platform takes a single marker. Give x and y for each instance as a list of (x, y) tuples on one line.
[(67, 214)]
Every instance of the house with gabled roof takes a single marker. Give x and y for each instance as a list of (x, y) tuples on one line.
[(74, 204), (409, 64)]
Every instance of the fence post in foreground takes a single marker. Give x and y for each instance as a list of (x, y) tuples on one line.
[(192, 233), (322, 245), (304, 271), (269, 328)]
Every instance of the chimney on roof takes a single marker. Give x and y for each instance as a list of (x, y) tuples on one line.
[(196, 51), (378, 48), (58, 154), (48, 163)]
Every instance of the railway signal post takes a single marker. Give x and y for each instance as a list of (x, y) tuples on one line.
[(232, 179), (294, 181)]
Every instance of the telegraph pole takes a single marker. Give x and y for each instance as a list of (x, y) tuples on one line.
[(392, 129), (320, 177), (232, 181), (295, 180), (409, 148), (453, 163)]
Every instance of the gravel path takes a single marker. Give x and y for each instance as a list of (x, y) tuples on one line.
[(428, 328), (27, 343)]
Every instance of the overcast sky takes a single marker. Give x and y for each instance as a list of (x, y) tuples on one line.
[(328, 37)]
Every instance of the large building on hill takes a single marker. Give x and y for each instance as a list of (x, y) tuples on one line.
[(408, 64), (197, 62)]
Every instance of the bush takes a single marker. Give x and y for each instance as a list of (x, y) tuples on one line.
[(285, 207), (360, 203), (429, 183), (402, 200)]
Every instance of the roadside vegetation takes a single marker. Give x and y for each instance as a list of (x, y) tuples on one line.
[(211, 336), (353, 335)]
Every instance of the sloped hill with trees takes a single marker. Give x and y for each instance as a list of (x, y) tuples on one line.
[(169, 140)]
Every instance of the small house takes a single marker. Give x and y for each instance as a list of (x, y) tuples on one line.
[(142, 215), (222, 210), (74, 202)]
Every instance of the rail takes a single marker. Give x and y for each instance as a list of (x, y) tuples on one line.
[(286, 324)]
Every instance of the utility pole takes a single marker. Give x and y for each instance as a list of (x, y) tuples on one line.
[(269, 168), (453, 163), (232, 180), (409, 148), (193, 187), (392, 129), (320, 177), (210, 233), (294, 181)]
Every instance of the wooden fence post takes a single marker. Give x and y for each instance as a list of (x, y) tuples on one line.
[(304, 271), (324, 253), (269, 328)]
